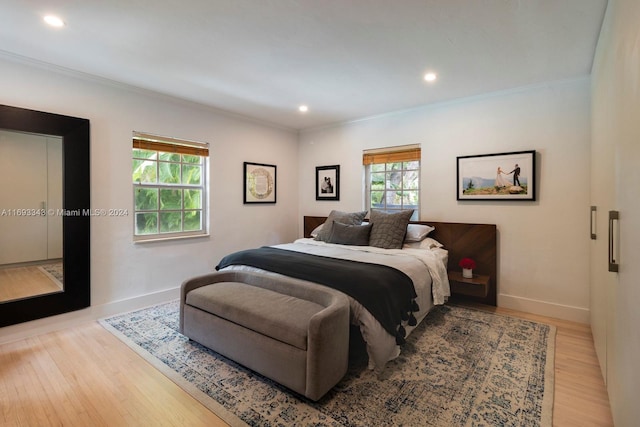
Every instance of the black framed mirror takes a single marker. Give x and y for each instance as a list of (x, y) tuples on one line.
[(75, 212)]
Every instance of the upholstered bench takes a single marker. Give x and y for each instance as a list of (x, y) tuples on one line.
[(293, 332)]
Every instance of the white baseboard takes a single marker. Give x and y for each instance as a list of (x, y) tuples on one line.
[(93, 313), (544, 308)]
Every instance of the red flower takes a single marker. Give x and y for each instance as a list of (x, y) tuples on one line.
[(467, 263)]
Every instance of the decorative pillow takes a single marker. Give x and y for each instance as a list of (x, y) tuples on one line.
[(427, 243), (417, 232), (389, 228), (343, 234), (316, 230), (354, 218)]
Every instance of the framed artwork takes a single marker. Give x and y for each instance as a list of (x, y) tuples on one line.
[(502, 176), (328, 182), (259, 183)]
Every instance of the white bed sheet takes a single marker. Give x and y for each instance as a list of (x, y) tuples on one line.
[(426, 268)]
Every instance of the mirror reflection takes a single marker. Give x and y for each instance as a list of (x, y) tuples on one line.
[(30, 215)]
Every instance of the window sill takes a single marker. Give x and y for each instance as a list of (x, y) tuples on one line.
[(168, 238)]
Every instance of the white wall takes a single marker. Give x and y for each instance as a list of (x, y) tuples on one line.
[(54, 196), (24, 163), (120, 269), (542, 245)]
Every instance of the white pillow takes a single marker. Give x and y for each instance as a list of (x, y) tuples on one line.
[(417, 232), (426, 243), (316, 230)]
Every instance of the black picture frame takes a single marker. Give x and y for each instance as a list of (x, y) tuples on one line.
[(481, 177), (259, 183), (328, 182)]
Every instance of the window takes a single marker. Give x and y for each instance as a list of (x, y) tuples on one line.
[(393, 179), (169, 187)]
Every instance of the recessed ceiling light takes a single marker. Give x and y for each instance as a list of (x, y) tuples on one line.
[(303, 108), (430, 77), (54, 21)]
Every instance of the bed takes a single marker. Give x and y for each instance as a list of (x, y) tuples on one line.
[(425, 264)]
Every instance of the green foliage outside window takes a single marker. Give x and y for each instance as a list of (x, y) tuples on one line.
[(168, 192)]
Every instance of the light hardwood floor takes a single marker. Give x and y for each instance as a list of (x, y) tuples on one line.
[(25, 281), (85, 376)]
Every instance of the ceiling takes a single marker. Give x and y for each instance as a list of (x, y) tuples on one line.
[(345, 59)]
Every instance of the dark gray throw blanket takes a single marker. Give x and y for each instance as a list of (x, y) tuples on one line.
[(387, 293)]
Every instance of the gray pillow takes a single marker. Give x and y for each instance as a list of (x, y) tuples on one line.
[(353, 218), (389, 228), (343, 234)]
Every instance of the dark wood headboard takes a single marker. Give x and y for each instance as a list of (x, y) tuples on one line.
[(476, 241)]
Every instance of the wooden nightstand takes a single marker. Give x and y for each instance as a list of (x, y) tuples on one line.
[(478, 286)]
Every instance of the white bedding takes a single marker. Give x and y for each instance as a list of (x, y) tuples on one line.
[(426, 268)]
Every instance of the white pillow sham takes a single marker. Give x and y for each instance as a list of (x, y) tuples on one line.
[(417, 232), (316, 230), (426, 243)]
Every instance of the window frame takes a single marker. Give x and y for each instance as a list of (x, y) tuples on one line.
[(171, 146), (386, 157)]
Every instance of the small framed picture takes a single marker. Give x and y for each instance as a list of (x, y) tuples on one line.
[(502, 176), (259, 183), (328, 182)]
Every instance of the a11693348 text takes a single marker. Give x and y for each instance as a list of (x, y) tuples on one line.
[(64, 212)]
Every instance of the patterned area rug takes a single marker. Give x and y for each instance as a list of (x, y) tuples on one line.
[(459, 367)]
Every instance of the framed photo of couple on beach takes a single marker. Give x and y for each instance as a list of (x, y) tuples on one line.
[(328, 182), (502, 176)]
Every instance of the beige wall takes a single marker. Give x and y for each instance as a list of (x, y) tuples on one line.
[(543, 245)]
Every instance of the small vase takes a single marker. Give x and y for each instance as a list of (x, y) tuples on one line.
[(467, 273)]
